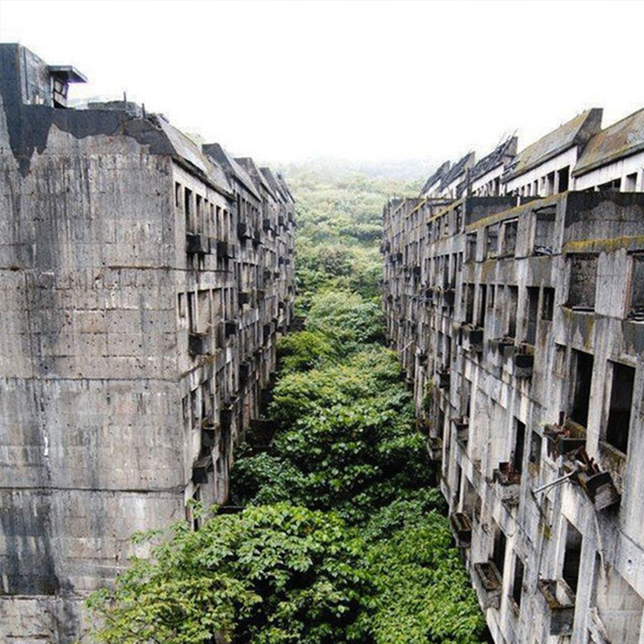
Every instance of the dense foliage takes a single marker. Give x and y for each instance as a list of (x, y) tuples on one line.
[(268, 575), (343, 538)]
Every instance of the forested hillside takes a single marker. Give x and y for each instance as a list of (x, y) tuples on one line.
[(340, 536), (339, 223)]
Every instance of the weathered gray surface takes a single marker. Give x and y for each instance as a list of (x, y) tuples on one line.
[(102, 402), (489, 403)]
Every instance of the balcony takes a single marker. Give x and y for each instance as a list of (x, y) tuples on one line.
[(462, 424), (197, 244), (508, 483), (422, 357), (200, 469), (559, 606), (208, 432), (243, 230), (564, 440), (449, 296), (443, 377), (198, 344), (230, 328), (524, 361), (462, 528), (435, 449), (599, 488), (472, 338), (489, 584), (225, 249), (504, 346)]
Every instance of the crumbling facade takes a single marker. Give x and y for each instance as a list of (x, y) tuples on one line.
[(144, 282), (518, 311)]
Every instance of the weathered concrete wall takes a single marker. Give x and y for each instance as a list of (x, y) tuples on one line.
[(480, 302), (138, 333)]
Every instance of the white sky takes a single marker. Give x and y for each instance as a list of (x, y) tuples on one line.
[(363, 80)]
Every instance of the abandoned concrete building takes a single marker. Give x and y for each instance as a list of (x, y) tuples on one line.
[(144, 281), (514, 293)]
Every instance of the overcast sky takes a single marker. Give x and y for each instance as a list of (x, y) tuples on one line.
[(362, 80)]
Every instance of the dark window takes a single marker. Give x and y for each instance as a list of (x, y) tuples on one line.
[(583, 281), (583, 376), (637, 287), (548, 304), (518, 580), (533, 312), (492, 240), (471, 247), (469, 303), (187, 208), (535, 449), (510, 237), (544, 230), (192, 313), (572, 557), (196, 520), (482, 305), (610, 186), (519, 446), (630, 184), (513, 298), (621, 401), (550, 183), (564, 178), (498, 554)]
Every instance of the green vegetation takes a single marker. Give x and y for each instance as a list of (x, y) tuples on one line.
[(342, 537), (339, 225)]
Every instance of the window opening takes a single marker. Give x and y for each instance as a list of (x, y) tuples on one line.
[(548, 304), (498, 554), (533, 312), (513, 298), (492, 240), (637, 287), (583, 281), (519, 446), (535, 449), (621, 401), (572, 557), (471, 247), (510, 237), (582, 384), (482, 305), (630, 183), (518, 580), (544, 231), (469, 303), (563, 178)]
